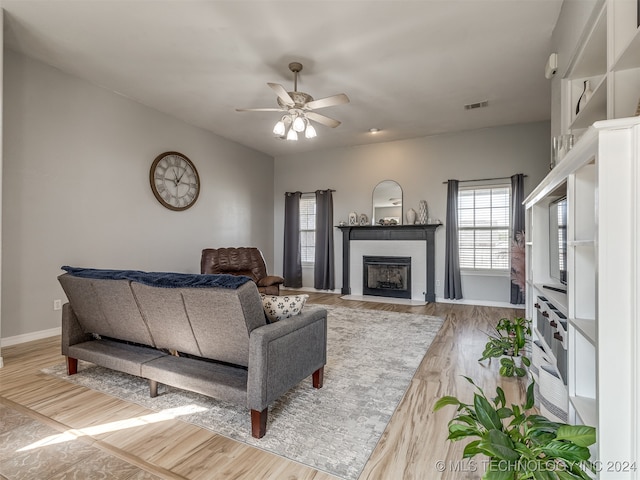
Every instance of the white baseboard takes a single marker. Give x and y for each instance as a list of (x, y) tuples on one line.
[(311, 289), (392, 300), (28, 337), (483, 303)]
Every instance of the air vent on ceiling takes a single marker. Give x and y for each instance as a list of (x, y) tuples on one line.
[(472, 106)]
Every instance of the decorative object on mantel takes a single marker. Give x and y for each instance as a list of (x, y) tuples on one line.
[(638, 109), (584, 98), (342, 223), (387, 221), (411, 216), (423, 212), (364, 220), (353, 218)]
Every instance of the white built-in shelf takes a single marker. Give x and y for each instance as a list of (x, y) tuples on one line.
[(548, 351), (558, 299), (581, 243), (630, 56), (586, 409), (595, 109), (592, 58), (586, 327)]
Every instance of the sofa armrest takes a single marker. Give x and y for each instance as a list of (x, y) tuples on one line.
[(72, 332), (270, 280), (284, 353)]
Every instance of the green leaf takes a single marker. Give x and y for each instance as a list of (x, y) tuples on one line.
[(457, 431), (468, 419), (519, 336), (569, 452), (448, 400), (541, 474), (498, 475), (506, 361), (526, 361), (487, 415), (471, 449), (500, 397), (520, 372), (497, 470), (505, 412), (498, 444), (581, 435), (530, 397)]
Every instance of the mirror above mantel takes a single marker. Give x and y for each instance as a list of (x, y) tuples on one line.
[(387, 203)]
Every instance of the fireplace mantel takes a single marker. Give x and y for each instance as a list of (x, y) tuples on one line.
[(390, 232)]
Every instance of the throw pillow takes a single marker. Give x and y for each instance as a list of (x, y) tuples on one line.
[(279, 307)]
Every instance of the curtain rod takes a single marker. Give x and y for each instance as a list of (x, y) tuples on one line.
[(485, 179), (308, 193)]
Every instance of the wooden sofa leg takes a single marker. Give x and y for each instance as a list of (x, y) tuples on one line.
[(259, 423), (153, 388), (318, 378), (72, 366)]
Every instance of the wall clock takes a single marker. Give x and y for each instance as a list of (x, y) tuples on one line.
[(174, 181)]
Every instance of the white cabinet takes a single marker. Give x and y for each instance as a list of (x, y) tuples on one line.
[(601, 180)]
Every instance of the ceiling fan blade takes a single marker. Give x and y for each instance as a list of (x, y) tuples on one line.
[(260, 110), (282, 93), (339, 99), (316, 117)]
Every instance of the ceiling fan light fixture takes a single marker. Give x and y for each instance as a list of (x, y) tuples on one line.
[(298, 123), (279, 129), (310, 132), (292, 135)]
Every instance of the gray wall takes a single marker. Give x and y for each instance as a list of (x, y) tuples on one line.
[(76, 190), (420, 166)]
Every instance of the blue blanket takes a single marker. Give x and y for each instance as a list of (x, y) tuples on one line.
[(161, 279)]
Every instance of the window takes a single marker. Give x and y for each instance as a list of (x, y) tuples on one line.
[(483, 228), (308, 228)]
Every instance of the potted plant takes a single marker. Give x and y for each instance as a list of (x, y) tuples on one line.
[(508, 343), (519, 445)]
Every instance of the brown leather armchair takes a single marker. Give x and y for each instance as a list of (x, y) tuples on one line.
[(247, 261)]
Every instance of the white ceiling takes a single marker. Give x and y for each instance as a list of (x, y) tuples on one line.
[(408, 67)]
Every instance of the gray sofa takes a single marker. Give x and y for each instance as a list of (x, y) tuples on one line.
[(228, 350)]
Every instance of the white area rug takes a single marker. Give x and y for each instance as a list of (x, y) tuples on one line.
[(372, 356)]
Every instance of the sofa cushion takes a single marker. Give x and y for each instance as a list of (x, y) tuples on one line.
[(161, 279), (283, 306), (106, 307)]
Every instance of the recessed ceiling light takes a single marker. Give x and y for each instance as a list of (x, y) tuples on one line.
[(374, 130)]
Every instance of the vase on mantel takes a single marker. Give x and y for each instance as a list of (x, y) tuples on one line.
[(423, 212), (584, 98), (411, 216)]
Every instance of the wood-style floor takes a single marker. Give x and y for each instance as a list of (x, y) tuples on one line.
[(101, 434)]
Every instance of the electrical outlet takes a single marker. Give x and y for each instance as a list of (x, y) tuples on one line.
[(57, 304), (437, 283)]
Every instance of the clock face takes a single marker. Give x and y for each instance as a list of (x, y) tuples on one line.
[(174, 181)]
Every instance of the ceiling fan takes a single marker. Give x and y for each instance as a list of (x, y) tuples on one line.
[(298, 108)]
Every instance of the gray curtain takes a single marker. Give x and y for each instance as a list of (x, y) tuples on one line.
[(292, 258), (517, 245), (324, 270), (452, 281)]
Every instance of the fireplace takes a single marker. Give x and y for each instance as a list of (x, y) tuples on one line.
[(386, 276)]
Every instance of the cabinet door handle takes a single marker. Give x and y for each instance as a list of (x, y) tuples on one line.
[(545, 314), (553, 323), (557, 336)]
